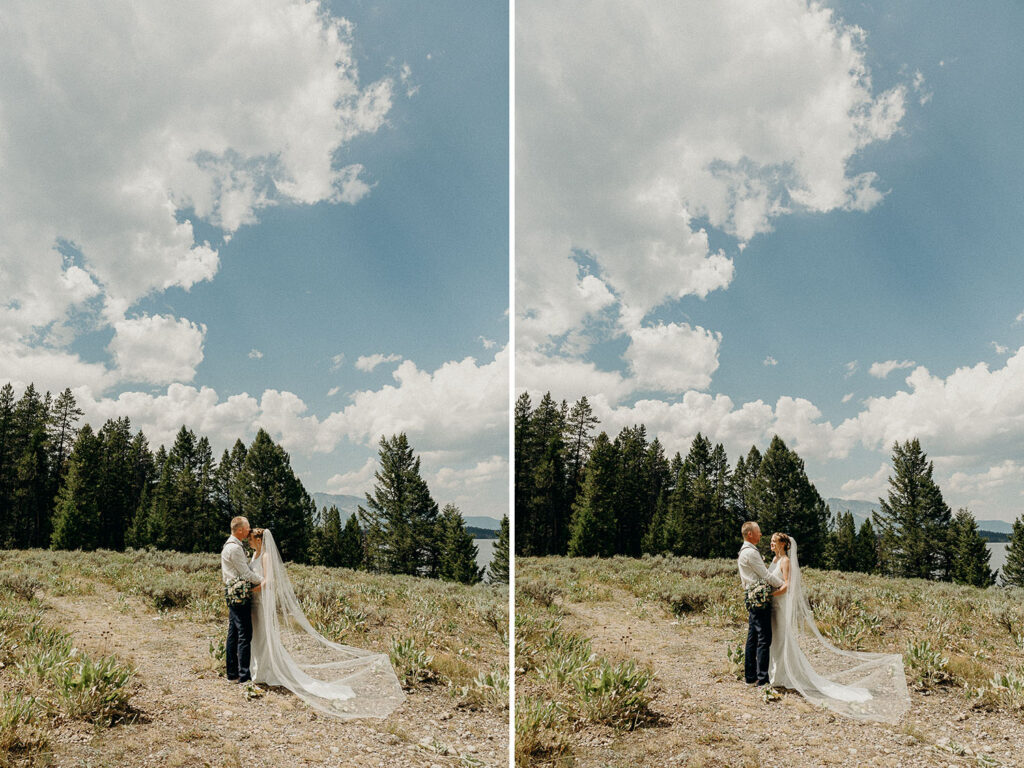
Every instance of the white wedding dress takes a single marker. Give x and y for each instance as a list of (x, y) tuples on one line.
[(336, 679), (867, 686)]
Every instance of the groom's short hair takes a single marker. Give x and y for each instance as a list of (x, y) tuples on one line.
[(237, 522), (748, 527)]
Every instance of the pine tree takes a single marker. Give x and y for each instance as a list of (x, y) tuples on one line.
[(743, 476), (970, 555), (841, 548), (524, 448), (634, 504), (399, 519), (350, 547), (499, 566), (1012, 574), (30, 520), (913, 522), (867, 548), (458, 552), (594, 523), (7, 459), (579, 427), (271, 496), (328, 546), (77, 517), (116, 492), (64, 415), (548, 507), (783, 499)]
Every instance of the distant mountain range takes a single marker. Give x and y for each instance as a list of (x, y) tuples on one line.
[(861, 511), (347, 506)]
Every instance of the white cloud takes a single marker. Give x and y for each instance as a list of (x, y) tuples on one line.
[(157, 349), (850, 368), (337, 361), (333, 391), (1005, 473), (488, 343), (567, 378), (999, 348), (255, 354), (115, 134), (769, 362), (731, 113), (489, 470), (355, 483), (673, 357), (869, 488), (1019, 320), (460, 404), (50, 369), (369, 362), (881, 370), (973, 409), (848, 397)]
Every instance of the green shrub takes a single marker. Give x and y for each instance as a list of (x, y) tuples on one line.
[(616, 695), (19, 733), (537, 726), (927, 665), (412, 665), (96, 691)]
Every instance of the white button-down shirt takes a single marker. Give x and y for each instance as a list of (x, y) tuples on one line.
[(752, 567), (233, 564)]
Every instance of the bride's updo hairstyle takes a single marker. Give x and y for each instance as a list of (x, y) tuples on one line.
[(257, 533), (780, 536)]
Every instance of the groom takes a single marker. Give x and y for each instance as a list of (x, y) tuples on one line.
[(759, 620), (234, 565)]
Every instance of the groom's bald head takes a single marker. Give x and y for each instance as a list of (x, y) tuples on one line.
[(751, 531)]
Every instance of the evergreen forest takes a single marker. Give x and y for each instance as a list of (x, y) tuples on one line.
[(583, 493), (68, 486)]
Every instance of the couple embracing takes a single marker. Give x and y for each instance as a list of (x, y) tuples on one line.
[(785, 648), (271, 641)]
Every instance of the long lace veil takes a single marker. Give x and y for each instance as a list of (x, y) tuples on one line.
[(866, 686), (336, 679)]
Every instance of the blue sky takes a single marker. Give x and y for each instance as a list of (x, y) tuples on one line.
[(295, 217), (796, 220)]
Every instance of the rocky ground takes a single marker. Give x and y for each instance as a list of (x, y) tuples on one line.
[(188, 715), (707, 717)]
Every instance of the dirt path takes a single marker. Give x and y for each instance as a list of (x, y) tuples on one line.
[(190, 716), (709, 718)]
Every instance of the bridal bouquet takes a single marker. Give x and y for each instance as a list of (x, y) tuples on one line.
[(758, 595), (238, 592)]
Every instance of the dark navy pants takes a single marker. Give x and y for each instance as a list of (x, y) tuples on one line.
[(759, 644), (239, 640)]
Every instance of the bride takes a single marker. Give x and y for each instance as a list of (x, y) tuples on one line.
[(336, 679), (867, 686)]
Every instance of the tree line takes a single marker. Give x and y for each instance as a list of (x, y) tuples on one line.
[(578, 493), (69, 487)]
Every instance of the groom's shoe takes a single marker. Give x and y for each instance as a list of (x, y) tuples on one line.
[(761, 682), (243, 680)]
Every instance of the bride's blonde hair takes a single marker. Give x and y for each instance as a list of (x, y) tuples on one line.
[(784, 539)]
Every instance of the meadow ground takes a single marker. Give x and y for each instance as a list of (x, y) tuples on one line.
[(115, 659), (624, 662)]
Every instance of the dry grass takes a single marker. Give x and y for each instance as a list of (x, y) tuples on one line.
[(960, 639)]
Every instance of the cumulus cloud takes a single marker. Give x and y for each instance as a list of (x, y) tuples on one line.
[(973, 409), (680, 114), (847, 397), (50, 369), (881, 370), (1005, 473), (369, 362), (255, 354), (157, 349), (333, 391), (868, 488), (999, 348), (769, 362), (494, 468), (216, 113), (673, 357), (355, 483)]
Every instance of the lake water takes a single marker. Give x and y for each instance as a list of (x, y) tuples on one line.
[(484, 551), (998, 550)]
